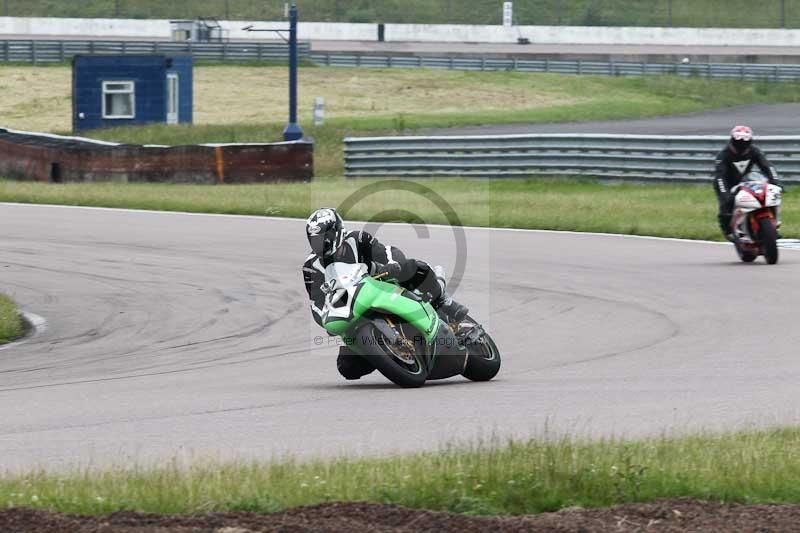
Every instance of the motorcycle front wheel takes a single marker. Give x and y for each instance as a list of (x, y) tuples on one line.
[(402, 361), (769, 239)]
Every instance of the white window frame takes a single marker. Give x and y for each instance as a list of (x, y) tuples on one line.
[(131, 90), (174, 76)]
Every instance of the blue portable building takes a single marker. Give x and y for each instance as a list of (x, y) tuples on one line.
[(126, 90)]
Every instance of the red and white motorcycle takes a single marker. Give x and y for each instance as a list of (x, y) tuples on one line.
[(755, 219)]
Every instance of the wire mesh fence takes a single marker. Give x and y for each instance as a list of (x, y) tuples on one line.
[(677, 13)]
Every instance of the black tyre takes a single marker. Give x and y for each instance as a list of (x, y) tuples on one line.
[(745, 256), (483, 361), (769, 240), (402, 364)]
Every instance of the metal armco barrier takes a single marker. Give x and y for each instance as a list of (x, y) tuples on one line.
[(37, 51), (638, 157), (50, 51), (737, 71)]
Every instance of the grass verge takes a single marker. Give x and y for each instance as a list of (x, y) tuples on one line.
[(247, 103), (664, 210), (496, 478), (10, 320)]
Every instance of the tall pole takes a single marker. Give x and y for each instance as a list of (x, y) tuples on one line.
[(669, 10), (293, 132), (783, 13), (5, 8)]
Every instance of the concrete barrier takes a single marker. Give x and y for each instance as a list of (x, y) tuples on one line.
[(160, 29), (660, 36), (52, 158), (307, 31), (592, 35), (329, 31), (73, 27)]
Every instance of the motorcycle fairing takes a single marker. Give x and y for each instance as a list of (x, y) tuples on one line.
[(746, 198), (774, 196), (364, 295)]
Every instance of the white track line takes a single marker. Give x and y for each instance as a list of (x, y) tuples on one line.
[(787, 244)]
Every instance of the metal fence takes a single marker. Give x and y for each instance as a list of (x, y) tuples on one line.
[(50, 51), (37, 51), (638, 157), (738, 71)]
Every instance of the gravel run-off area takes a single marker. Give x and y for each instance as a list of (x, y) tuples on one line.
[(676, 515)]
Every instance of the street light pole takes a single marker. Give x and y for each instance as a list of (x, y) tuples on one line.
[(293, 131)]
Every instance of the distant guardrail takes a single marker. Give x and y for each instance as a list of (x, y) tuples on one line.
[(50, 51), (46, 51), (638, 157), (737, 71)]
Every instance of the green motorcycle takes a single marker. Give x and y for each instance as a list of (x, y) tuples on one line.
[(400, 333)]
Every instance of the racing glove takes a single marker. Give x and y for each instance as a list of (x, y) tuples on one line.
[(388, 272)]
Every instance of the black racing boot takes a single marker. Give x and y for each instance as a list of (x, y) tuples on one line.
[(351, 365), (454, 310), (725, 226)]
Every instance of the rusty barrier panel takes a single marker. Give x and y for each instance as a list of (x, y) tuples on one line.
[(59, 159)]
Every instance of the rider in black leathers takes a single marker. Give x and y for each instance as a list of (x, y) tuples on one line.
[(331, 243), (734, 162)]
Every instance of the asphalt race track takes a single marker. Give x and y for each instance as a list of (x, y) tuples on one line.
[(700, 52), (765, 119), (188, 336)]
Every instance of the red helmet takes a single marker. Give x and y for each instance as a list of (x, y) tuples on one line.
[(741, 139)]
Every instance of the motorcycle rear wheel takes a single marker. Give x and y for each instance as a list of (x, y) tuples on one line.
[(769, 240), (483, 360)]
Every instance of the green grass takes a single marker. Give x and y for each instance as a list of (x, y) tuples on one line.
[(545, 474), (365, 102), (363, 99), (10, 320), (587, 98), (667, 210), (664, 210), (700, 13)]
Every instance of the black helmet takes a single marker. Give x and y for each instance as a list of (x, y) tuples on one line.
[(741, 139), (325, 231)]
